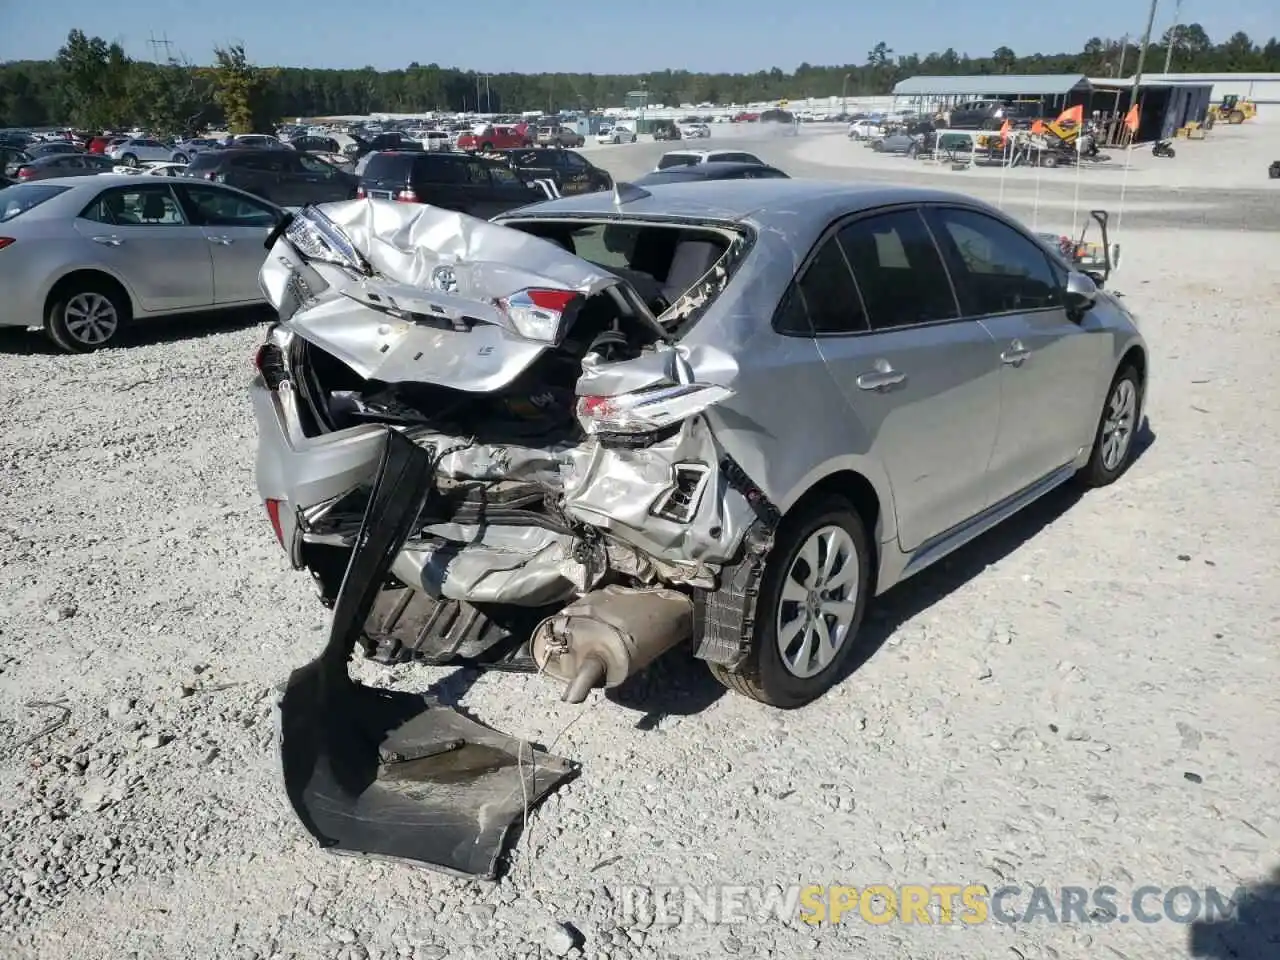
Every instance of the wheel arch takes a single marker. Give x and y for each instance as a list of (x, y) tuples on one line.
[(863, 484), (78, 275)]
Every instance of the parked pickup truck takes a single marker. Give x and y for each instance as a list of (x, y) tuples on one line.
[(567, 169), (496, 137)]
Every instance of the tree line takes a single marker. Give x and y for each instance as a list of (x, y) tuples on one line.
[(92, 84)]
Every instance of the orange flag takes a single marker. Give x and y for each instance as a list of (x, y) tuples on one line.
[(1131, 119), (1072, 115), (1004, 130), (1038, 128)]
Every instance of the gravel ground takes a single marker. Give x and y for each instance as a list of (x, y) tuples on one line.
[(1085, 696)]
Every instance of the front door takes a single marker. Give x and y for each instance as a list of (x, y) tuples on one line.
[(919, 383), (317, 181), (235, 228), (142, 234), (1048, 361), (575, 174)]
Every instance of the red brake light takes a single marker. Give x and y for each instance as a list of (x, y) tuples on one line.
[(360, 194), (407, 196), (6, 241), (557, 300), (25, 173), (273, 514)]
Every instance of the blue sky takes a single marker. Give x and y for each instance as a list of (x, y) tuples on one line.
[(603, 36)]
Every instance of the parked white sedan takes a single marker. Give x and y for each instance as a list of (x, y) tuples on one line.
[(618, 134), (81, 257), (137, 149), (865, 130)]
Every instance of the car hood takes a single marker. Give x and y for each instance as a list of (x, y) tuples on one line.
[(418, 297)]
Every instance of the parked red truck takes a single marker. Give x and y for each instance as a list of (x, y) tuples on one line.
[(497, 137)]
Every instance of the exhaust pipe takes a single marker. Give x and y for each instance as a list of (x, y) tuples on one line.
[(609, 634)]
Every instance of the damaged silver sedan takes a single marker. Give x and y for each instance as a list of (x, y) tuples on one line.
[(726, 414)]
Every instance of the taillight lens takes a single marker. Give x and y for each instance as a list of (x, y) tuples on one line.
[(408, 195), (539, 314), (360, 194), (273, 514), (269, 361), (25, 173), (645, 411), (6, 241)]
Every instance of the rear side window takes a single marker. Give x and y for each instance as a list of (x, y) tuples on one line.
[(204, 161), (389, 166), (824, 300), (432, 168), (18, 199), (270, 161), (899, 270)]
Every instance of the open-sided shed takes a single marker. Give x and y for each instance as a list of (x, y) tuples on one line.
[(1024, 86)]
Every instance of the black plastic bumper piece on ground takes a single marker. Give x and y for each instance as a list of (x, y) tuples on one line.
[(392, 774)]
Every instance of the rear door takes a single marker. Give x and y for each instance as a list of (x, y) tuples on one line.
[(922, 382), (1049, 363), (141, 232), (316, 181), (440, 179), (506, 190), (262, 172), (234, 227)]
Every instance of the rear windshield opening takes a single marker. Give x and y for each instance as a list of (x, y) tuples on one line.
[(204, 161), (677, 270), (391, 166), (21, 197)]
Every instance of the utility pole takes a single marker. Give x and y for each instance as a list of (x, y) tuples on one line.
[(1124, 48), (1142, 51), (844, 100), (155, 46), (1173, 35)]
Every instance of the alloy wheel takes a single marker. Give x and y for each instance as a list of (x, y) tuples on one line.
[(1117, 426), (91, 319), (818, 602)]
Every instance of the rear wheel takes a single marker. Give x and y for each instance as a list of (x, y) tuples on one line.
[(179, 158), (486, 146), (813, 594), (129, 160), (85, 315), (1117, 427)]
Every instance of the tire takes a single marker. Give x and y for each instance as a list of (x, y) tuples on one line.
[(878, 146), (1235, 117), (633, 138), (86, 315), (180, 158), (1118, 414), (764, 676), (1049, 161), (486, 147), (129, 160), (525, 145)]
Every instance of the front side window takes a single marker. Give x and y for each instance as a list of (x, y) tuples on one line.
[(1000, 271), (225, 208), (899, 270), (312, 165), (503, 176)]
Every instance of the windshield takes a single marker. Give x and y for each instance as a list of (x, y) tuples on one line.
[(18, 199)]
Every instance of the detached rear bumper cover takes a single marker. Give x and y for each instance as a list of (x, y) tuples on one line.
[(393, 774)]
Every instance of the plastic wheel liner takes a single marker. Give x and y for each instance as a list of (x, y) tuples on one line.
[(394, 774)]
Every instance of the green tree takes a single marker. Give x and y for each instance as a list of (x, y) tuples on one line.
[(96, 77), (242, 91), (170, 99)]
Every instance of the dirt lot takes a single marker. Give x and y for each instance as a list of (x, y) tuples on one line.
[(1086, 696)]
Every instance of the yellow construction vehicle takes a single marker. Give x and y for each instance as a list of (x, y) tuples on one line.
[(1233, 110)]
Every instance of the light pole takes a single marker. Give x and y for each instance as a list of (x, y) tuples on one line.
[(1173, 36), (1142, 54), (844, 100), (1124, 48)]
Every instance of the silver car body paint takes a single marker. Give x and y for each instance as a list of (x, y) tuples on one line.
[(782, 407)]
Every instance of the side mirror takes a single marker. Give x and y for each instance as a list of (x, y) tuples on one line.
[(1082, 292)]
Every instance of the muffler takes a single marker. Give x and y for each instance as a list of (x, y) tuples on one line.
[(609, 634)]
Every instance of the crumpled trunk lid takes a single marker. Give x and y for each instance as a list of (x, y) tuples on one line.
[(410, 292)]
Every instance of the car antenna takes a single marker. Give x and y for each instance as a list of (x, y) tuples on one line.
[(627, 192)]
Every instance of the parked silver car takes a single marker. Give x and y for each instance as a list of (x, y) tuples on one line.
[(81, 257), (724, 413)]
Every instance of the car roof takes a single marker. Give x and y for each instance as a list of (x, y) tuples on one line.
[(710, 169), (790, 206)]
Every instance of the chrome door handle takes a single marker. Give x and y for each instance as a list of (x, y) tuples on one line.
[(222, 241), (108, 241), (880, 379), (1016, 354)]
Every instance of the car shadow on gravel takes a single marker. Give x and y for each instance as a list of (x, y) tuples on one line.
[(1252, 932), (906, 600), (193, 326)]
